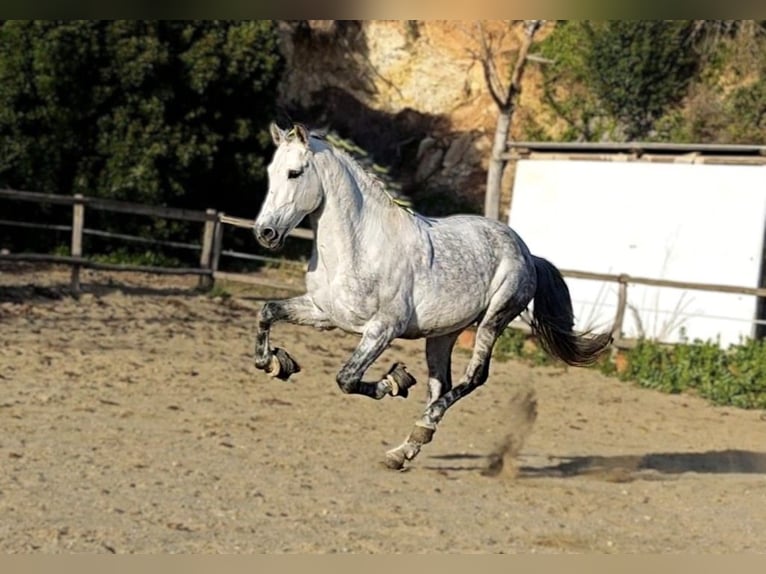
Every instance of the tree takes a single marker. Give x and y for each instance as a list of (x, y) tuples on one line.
[(165, 112), (727, 99), (639, 68), (505, 94), (615, 79)]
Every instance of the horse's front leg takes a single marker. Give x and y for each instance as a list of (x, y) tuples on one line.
[(377, 336), (300, 310)]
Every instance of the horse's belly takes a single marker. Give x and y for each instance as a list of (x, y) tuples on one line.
[(348, 319), (440, 316)]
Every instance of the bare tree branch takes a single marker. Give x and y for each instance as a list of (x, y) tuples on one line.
[(514, 88), (488, 66), (506, 104)]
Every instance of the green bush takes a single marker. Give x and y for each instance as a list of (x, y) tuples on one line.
[(735, 376), (726, 102), (125, 256), (674, 369), (700, 81), (514, 343), (615, 79), (159, 112)]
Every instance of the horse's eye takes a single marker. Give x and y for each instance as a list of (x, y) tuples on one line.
[(293, 173)]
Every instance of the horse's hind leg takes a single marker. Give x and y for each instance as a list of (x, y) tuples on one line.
[(475, 375), (439, 359), (301, 310)]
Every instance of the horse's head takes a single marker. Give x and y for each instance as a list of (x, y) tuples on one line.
[(294, 187)]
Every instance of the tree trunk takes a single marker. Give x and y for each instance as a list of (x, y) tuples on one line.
[(497, 165), (507, 106)]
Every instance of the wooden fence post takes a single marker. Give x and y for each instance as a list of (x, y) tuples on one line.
[(622, 302), (217, 246), (205, 260), (78, 223)]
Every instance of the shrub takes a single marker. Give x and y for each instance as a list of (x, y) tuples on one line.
[(735, 376)]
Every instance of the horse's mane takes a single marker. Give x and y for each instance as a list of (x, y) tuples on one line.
[(360, 171)]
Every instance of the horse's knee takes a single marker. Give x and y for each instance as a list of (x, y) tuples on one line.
[(346, 383), (269, 312)]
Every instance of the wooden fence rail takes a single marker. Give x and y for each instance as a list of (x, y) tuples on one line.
[(107, 205), (83, 262), (623, 280), (210, 246), (211, 249)]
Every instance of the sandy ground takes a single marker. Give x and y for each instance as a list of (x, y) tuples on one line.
[(133, 420)]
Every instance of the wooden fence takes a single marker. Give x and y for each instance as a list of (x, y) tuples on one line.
[(210, 248)]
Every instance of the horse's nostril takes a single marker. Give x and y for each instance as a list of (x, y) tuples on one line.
[(268, 236), (268, 233)]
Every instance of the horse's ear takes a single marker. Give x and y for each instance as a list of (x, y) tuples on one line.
[(276, 133), (302, 133)]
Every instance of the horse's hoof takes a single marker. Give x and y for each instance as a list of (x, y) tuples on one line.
[(400, 380), (395, 459), (283, 365)]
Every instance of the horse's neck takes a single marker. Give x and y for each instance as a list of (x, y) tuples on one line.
[(349, 223), (334, 230)]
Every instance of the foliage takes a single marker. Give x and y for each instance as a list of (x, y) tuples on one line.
[(734, 376), (218, 292), (727, 102), (510, 343), (640, 68), (159, 112), (701, 81), (567, 91), (514, 343), (129, 257), (615, 79)]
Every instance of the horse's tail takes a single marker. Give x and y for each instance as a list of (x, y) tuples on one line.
[(553, 320)]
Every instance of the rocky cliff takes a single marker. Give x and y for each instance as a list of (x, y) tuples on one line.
[(411, 93)]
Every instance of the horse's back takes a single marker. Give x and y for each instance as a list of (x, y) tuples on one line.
[(490, 239)]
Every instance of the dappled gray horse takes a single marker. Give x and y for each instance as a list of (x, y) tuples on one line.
[(385, 272)]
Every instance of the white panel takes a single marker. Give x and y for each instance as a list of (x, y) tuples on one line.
[(685, 222)]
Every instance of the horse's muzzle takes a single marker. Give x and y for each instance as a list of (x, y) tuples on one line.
[(268, 236)]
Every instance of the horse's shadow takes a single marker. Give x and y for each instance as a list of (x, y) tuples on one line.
[(618, 468)]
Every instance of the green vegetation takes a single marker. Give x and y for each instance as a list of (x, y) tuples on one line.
[(735, 376), (665, 80), (218, 292), (726, 101), (158, 112), (124, 256), (514, 343)]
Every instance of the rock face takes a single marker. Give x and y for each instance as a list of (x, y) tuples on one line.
[(411, 93)]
